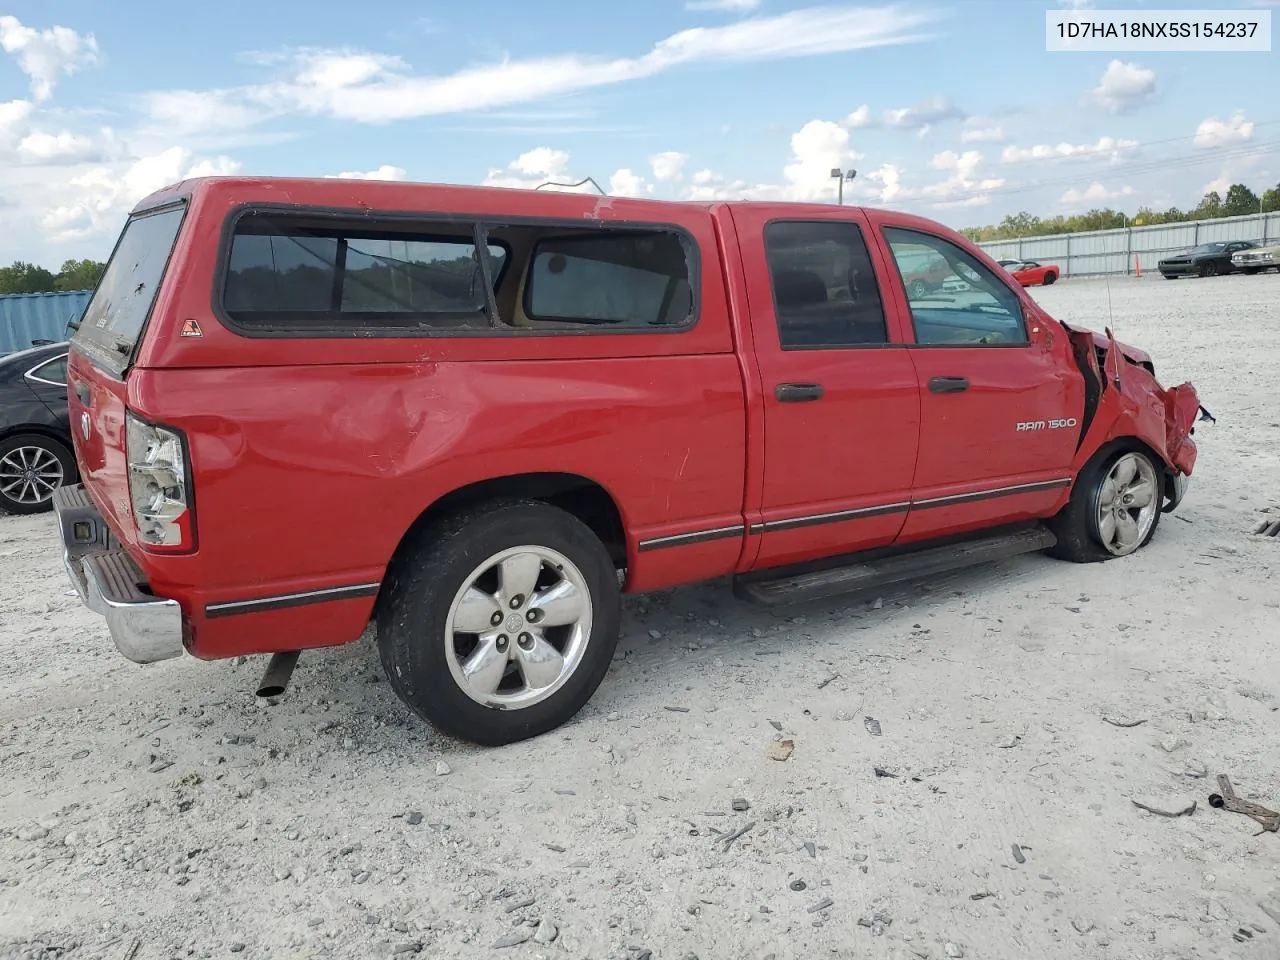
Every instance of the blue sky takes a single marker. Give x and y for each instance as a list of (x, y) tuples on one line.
[(949, 108)]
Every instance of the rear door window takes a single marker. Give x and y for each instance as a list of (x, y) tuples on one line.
[(113, 322), (824, 287)]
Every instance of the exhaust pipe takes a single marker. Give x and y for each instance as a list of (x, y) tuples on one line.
[(276, 677)]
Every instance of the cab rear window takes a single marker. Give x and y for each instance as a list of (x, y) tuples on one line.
[(113, 322)]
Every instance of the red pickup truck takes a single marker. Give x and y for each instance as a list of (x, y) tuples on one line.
[(477, 416)]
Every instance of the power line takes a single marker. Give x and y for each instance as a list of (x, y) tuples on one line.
[(1112, 173), (1137, 145)]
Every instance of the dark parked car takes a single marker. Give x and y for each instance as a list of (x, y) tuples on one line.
[(35, 435), (1206, 260)]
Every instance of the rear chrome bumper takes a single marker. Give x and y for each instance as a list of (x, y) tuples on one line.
[(144, 627)]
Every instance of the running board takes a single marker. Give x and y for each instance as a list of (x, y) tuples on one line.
[(775, 588)]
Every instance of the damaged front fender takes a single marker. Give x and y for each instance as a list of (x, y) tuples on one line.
[(1124, 400)]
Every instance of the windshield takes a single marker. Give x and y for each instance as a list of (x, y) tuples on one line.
[(1209, 248), (113, 321)]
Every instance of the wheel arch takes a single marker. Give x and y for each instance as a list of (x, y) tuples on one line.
[(48, 433), (581, 496), (39, 430), (1134, 444)]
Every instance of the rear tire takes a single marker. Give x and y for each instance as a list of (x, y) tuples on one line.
[(1050, 279), (32, 466), (1114, 509), (486, 568)]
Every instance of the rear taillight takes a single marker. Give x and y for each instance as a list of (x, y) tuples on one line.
[(158, 485)]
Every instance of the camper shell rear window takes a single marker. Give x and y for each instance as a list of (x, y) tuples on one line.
[(113, 323)]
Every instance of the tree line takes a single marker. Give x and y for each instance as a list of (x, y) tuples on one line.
[(23, 277), (1239, 201)]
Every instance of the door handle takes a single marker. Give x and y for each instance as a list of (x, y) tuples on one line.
[(948, 384), (798, 392)]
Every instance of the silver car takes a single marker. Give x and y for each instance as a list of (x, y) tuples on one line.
[(1257, 258)]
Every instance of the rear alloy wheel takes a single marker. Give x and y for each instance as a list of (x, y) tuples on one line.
[(32, 466), (1114, 509), (1050, 279), (498, 623), (917, 290)]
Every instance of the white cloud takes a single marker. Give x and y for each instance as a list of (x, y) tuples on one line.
[(1094, 193), (46, 55), (1124, 86), (628, 183), (1106, 146), (203, 112), (668, 165), (859, 118), (541, 161), (21, 144), (543, 165), (384, 172), (65, 147), (887, 181), (13, 120), (817, 148), (97, 200), (1219, 133), (707, 185), (726, 6), (923, 115), (964, 185), (372, 88), (982, 130)]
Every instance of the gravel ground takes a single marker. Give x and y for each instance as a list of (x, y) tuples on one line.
[(164, 812)]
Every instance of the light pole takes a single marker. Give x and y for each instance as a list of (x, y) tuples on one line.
[(842, 176)]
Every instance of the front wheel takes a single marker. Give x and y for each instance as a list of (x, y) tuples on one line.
[(497, 624), (32, 467), (1113, 511), (1209, 269), (917, 290)]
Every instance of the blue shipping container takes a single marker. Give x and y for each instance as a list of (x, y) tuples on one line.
[(25, 317)]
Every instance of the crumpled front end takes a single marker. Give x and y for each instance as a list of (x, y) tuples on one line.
[(1125, 400)]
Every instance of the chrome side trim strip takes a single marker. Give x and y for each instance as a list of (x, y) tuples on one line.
[(696, 536), (285, 600), (839, 516)]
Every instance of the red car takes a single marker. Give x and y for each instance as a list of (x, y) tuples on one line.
[(478, 416), (1031, 274)]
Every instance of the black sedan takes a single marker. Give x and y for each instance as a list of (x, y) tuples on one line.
[(35, 436), (1206, 260)]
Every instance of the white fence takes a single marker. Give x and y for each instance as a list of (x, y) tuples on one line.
[(1121, 251)]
